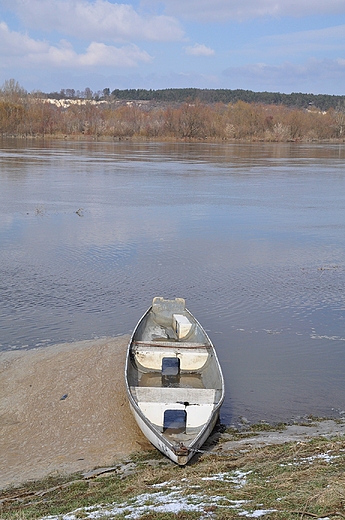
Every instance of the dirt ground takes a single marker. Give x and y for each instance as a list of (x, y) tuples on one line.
[(64, 409)]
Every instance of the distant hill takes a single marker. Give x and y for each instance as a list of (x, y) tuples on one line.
[(296, 99), (301, 100)]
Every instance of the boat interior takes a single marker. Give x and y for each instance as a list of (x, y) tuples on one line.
[(173, 376)]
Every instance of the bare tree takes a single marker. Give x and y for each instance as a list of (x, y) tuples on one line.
[(12, 90), (339, 117)]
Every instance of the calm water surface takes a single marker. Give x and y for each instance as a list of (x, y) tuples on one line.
[(252, 235)]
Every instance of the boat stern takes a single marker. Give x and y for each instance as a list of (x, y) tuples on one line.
[(182, 453)]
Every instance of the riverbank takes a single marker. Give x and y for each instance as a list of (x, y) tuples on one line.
[(69, 444), (126, 118), (138, 139), (63, 409), (254, 473)]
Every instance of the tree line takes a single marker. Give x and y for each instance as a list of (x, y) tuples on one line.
[(110, 116), (182, 95), (296, 99)]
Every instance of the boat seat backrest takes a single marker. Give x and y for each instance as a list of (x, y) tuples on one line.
[(163, 310)]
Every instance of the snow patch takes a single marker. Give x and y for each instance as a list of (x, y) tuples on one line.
[(160, 502), (239, 478), (309, 460), (257, 513)]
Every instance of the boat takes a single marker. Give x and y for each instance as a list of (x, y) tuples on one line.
[(173, 378)]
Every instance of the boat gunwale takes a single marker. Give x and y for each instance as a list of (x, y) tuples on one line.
[(195, 442)]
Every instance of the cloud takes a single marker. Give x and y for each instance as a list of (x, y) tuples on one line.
[(15, 44), (329, 38), (312, 76), (295, 46), (199, 50), (220, 10), (95, 20), (25, 51), (96, 55), (107, 55)]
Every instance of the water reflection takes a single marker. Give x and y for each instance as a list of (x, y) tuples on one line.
[(252, 235)]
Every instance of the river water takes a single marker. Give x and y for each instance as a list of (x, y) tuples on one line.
[(251, 235)]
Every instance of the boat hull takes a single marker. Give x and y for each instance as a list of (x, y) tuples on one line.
[(173, 379), (183, 457)]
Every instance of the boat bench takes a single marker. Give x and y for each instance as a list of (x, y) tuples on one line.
[(154, 401), (192, 358)]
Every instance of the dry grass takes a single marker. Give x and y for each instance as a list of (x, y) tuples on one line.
[(289, 481)]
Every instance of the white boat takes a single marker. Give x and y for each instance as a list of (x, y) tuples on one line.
[(173, 379)]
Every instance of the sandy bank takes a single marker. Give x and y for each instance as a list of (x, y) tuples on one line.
[(64, 409), (40, 433)]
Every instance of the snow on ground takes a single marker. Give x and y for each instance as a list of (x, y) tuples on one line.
[(239, 478), (326, 457), (158, 502), (169, 497)]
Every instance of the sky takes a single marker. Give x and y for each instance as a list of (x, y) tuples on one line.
[(260, 45)]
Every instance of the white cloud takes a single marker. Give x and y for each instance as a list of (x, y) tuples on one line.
[(89, 40), (220, 10), (15, 44), (329, 38), (106, 55), (328, 42), (95, 20), (96, 55), (312, 76), (25, 51), (199, 50), (292, 46)]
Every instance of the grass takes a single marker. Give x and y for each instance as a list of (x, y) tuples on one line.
[(279, 482)]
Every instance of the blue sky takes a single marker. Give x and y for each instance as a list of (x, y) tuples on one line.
[(260, 45)]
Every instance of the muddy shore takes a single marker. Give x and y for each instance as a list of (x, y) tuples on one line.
[(63, 409)]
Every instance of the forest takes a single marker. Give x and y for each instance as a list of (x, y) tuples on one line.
[(181, 95), (171, 114)]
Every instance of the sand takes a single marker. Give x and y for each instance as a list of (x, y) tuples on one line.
[(64, 409)]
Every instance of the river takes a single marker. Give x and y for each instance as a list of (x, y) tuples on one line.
[(251, 235)]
